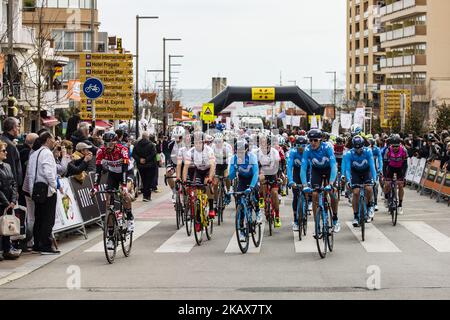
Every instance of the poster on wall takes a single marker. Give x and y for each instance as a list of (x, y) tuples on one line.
[(346, 121), (68, 213)]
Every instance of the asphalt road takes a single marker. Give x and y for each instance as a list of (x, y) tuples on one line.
[(410, 261)]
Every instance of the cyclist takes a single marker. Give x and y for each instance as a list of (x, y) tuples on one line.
[(282, 168), (244, 166), (293, 173), (269, 162), (360, 169), (222, 152), (396, 158), (202, 158), (115, 159), (174, 147), (378, 158), (319, 157)]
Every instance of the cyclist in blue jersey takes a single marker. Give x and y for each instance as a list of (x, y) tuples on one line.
[(244, 167), (319, 157), (360, 170), (378, 158), (295, 157)]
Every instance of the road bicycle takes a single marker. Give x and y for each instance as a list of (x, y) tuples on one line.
[(246, 221), (268, 205), (179, 202), (115, 226), (363, 213), (393, 199), (199, 219), (221, 191), (302, 212), (324, 230)]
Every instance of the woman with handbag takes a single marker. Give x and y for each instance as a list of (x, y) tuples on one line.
[(8, 200), (43, 185)]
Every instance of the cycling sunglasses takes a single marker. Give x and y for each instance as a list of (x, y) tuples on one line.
[(315, 140)]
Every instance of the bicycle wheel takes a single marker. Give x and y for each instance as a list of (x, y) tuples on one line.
[(394, 207), (330, 229), (242, 228), (110, 220), (220, 206), (178, 210), (209, 228), (256, 232), (321, 237), (362, 219), (300, 217), (269, 217), (305, 217), (126, 239), (189, 214), (198, 227)]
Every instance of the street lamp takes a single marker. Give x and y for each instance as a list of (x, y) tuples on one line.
[(152, 71), (164, 79), (138, 18), (170, 73)]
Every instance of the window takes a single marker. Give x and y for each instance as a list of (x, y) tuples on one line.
[(69, 71), (87, 41), (64, 41)]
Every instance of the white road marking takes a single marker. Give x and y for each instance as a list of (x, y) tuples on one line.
[(308, 243), (233, 246), (178, 243), (440, 242), (375, 240), (141, 228)]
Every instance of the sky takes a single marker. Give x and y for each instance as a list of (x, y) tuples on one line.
[(247, 41)]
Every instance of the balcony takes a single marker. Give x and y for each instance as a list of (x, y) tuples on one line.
[(402, 8), (22, 37), (366, 51), (411, 31)]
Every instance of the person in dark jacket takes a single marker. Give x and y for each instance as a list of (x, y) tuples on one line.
[(8, 200), (72, 125), (145, 155), (11, 131), (81, 135)]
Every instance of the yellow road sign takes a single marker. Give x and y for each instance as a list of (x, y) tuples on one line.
[(102, 56), (109, 102), (390, 106), (110, 79), (106, 116), (102, 64), (208, 112), (263, 94), (98, 73)]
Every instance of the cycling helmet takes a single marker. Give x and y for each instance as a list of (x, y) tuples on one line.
[(178, 132), (372, 141), (358, 142), (302, 133), (395, 140), (281, 141), (356, 129), (242, 144), (315, 134), (219, 137), (301, 142), (325, 136), (209, 138), (109, 137), (339, 140)]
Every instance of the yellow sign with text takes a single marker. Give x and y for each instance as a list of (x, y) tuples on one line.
[(263, 94), (208, 112)]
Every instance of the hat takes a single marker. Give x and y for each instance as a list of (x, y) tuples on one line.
[(81, 146)]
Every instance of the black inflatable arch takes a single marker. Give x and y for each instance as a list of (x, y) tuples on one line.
[(244, 94)]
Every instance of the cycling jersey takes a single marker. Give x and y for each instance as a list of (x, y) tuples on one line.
[(294, 166), (246, 169), (396, 159), (378, 158), (357, 166), (115, 161), (269, 162), (320, 161), (201, 159), (222, 153)]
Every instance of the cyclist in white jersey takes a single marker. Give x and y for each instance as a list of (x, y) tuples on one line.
[(223, 153)]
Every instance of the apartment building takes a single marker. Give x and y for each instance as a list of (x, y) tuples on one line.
[(363, 51), (416, 44), (68, 24)]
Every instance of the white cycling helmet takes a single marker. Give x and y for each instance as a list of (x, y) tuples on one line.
[(219, 137), (281, 141), (178, 132), (209, 138)]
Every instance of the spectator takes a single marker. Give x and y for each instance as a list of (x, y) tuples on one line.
[(97, 137), (445, 161), (8, 200), (81, 135), (72, 124), (61, 158), (81, 163), (69, 147), (42, 168), (166, 149), (145, 155), (26, 150), (11, 132)]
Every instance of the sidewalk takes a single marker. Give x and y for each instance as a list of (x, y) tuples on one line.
[(27, 263)]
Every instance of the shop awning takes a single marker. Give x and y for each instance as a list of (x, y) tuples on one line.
[(50, 122), (102, 124)]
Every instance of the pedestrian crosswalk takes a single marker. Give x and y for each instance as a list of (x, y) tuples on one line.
[(376, 241)]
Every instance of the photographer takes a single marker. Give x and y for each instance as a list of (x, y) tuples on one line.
[(81, 163), (62, 159)]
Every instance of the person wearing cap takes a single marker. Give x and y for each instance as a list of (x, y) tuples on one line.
[(80, 164)]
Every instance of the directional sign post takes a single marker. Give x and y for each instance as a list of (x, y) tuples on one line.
[(93, 89)]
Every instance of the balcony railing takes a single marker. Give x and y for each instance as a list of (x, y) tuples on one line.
[(419, 60), (401, 5), (419, 30)]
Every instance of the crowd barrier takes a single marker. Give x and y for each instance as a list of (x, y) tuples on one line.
[(428, 177)]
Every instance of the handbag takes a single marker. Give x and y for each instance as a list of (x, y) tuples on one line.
[(9, 225), (40, 189)]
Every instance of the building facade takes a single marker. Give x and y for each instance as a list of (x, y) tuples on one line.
[(363, 51), (416, 45)]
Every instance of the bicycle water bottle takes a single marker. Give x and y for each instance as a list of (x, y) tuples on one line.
[(119, 216)]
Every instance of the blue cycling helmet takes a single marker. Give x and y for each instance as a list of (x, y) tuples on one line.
[(301, 141), (358, 142), (315, 134)]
